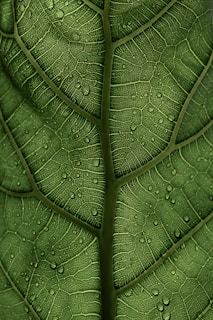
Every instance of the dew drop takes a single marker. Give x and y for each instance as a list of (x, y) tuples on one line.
[(96, 162), (155, 223), (173, 272), (128, 293), (80, 240), (64, 175), (22, 8), (174, 171), (142, 240), (87, 140), (78, 163), (59, 14), (78, 85), (151, 109), (133, 127), (94, 212), (150, 188), (159, 95), (155, 292), (186, 218), (177, 233), (166, 300), (53, 265), (166, 315), (66, 3), (173, 201), (30, 14), (160, 306), (52, 292), (60, 269), (160, 121), (27, 278), (72, 196), (85, 91), (95, 180), (50, 4), (169, 188)]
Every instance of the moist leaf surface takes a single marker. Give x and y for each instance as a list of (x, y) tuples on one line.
[(106, 192)]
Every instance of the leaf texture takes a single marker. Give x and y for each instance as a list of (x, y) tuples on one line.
[(106, 152)]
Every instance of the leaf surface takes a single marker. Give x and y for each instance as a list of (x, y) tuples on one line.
[(106, 192)]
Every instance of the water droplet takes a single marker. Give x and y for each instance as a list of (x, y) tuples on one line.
[(133, 127), (155, 223), (72, 196), (150, 188), (160, 306), (79, 194), (173, 201), (27, 278), (59, 14), (159, 95), (66, 3), (155, 292), (64, 175), (53, 265), (149, 240), (11, 256), (145, 95), (160, 121), (186, 218), (60, 269), (151, 109), (39, 309), (22, 8), (87, 140), (128, 293), (96, 162), (95, 180), (78, 85), (30, 14), (173, 272), (174, 171), (78, 163), (142, 240), (85, 91), (94, 212), (169, 188), (50, 4), (166, 315), (166, 300), (80, 240), (177, 233), (52, 292)]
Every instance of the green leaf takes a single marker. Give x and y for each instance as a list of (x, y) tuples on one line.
[(106, 153)]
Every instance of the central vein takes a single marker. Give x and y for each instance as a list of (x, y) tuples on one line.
[(106, 241)]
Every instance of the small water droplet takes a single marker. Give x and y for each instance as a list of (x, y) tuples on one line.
[(166, 315), (26, 309), (133, 127), (128, 293), (151, 109), (78, 85), (39, 309), (27, 278), (159, 95), (72, 196), (155, 223), (94, 212), (64, 175), (173, 272), (174, 171), (142, 240), (66, 3), (177, 233), (150, 188), (85, 91), (80, 240), (50, 4), (166, 300), (155, 292), (186, 218), (95, 180), (52, 292), (30, 14), (87, 140), (173, 201), (96, 162), (22, 8), (60, 269), (59, 14), (160, 121), (169, 188), (53, 265), (160, 306)]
